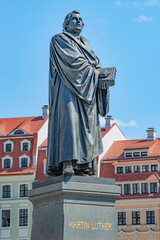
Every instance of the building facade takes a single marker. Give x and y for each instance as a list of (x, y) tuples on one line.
[(19, 142), (135, 165)]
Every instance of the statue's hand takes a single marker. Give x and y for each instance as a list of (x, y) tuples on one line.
[(103, 73)]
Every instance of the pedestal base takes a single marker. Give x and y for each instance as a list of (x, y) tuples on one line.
[(74, 208)]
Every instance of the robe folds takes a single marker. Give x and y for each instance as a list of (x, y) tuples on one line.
[(75, 100)]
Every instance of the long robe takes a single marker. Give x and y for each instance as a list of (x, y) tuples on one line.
[(74, 101)]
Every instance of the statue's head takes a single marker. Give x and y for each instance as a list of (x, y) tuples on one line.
[(73, 23)]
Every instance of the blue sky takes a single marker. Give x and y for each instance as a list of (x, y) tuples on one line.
[(124, 34)]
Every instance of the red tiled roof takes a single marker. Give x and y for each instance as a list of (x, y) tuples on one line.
[(104, 132), (28, 124), (44, 144), (117, 149), (21, 171), (149, 176)]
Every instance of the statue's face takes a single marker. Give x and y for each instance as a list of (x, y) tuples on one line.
[(75, 24)]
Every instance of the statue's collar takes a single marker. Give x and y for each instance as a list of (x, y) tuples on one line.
[(79, 42)]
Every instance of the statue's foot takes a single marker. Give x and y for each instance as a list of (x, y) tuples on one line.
[(54, 171), (67, 168)]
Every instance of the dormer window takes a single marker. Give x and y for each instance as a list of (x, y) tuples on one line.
[(25, 145), (8, 146), (129, 154), (136, 154), (143, 154), (18, 132)]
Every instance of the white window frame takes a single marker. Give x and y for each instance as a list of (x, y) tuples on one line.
[(4, 184), (10, 218), (29, 145), (19, 184), (18, 217), (24, 156), (8, 142), (7, 157), (133, 151)]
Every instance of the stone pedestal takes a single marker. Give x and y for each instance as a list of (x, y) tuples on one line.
[(74, 208)]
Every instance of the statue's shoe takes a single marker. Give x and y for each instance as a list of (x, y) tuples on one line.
[(67, 168)]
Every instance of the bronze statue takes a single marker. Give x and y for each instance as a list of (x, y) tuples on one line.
[(78, 92)]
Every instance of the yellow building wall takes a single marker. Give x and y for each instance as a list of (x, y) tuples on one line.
[(143, 231)]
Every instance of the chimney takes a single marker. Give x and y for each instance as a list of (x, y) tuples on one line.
[(109, 122), (45, 111), (151, 134)]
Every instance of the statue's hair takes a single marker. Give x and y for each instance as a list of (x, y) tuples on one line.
[(67, 19)]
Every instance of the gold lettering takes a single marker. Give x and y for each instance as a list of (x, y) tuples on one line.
[(74, 225), (103, 226), (78, 225), (110, 226), (86, 226), (70, 224)]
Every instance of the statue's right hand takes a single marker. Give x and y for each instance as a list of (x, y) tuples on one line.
[(103, 73)]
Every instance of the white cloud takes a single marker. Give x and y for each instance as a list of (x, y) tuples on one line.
[(148, 3), (120, 123), (142, 19)]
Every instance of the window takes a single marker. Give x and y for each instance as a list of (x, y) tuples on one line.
[(18, 132), (150, 217), (129, 154), (121, 218), (119, 170), (144, 187), (135, 188), (6, 218), (154, 168), (6, 191), (145, 168), (137, 168), (135, 218), (136, 154), (153, 187), (25, 146), (7, 163), (24, 162), (8, 146), (143, 154), (127, 189), (128, 169), (23, 217), (24, 190)]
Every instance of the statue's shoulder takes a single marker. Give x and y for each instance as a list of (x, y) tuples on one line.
[(58, 36)]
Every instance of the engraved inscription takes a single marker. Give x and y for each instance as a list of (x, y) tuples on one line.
[(90, 225)]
